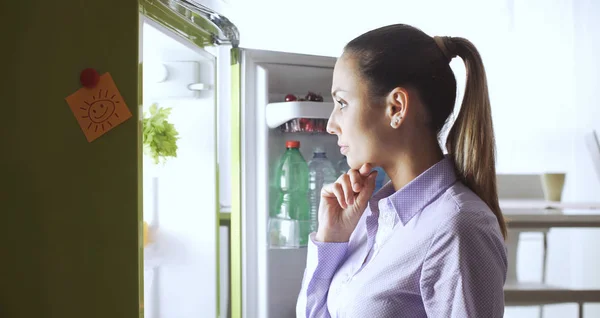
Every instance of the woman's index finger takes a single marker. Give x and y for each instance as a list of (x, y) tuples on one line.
[(365, 170)]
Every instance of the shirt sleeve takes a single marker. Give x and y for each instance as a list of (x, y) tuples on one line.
[(465, 267), (322, 261)]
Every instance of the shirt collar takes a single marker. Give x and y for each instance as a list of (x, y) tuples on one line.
[(418, 193)]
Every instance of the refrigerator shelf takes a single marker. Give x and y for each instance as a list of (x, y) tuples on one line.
[(278, 114)]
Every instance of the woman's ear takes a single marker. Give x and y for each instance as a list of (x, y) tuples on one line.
[(397, 106)]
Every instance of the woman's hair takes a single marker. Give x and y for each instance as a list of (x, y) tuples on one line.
[(401, 55)]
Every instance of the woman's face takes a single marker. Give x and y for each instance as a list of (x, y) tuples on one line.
[(363, 128)]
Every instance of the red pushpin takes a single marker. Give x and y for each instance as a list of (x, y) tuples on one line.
[(89, 78)]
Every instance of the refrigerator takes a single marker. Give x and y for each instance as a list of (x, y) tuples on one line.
[(228, 105), (74, 209)]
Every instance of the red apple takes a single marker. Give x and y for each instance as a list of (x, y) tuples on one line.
[(311, 97), (290, 98)]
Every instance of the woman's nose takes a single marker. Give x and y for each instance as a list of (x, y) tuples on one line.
[(332, 126)]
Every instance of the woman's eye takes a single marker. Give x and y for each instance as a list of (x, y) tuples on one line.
[(342, 104)]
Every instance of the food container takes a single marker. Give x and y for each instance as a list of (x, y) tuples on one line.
[(309, 125)]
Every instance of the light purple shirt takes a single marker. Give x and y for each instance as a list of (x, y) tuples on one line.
[(431, 249)]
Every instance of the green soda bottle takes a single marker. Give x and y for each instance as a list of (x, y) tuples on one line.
[(291, 191)]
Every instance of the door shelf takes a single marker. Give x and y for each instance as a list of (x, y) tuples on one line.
[(278, 114)]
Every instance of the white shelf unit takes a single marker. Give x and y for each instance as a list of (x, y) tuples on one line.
[(538, 215)]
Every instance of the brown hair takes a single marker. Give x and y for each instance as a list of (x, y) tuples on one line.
[(401, 55)]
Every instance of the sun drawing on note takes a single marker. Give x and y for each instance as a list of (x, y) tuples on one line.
[(99, 111)]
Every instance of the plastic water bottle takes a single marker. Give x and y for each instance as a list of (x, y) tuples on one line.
[(342, 166), (320, 171), (289, 211)]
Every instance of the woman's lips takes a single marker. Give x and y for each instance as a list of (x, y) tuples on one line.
[(343, 149)]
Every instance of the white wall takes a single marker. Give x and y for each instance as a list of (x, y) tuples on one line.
[(544, 75)]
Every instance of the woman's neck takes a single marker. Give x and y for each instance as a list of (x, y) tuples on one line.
[(412, 162)]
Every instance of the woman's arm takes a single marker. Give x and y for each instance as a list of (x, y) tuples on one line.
[(464, 270), (322, 261), (342, 206)]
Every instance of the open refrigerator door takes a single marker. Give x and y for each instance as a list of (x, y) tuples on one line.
[(272, 273), (179, 46)]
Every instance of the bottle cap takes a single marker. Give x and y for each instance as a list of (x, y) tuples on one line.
[(292, 144), (319, 149)]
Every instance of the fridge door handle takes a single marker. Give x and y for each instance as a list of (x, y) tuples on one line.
[(227, 31)]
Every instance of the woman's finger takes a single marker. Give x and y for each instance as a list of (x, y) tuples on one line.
[(365, 169), (363, 197), (348, 192), (356, 180), (328, 190), (339, 194)]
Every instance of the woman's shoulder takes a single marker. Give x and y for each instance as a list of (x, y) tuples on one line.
[(465, 199), (460, 211)]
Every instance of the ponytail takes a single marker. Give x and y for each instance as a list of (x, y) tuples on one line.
[(470, 141)]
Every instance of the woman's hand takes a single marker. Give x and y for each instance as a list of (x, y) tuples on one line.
[(343, 203)]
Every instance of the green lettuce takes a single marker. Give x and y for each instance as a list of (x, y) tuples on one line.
[(159, 135)]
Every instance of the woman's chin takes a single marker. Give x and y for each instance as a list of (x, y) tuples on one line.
[(354, 164)]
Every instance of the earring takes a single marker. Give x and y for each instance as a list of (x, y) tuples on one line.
[(395, 122)]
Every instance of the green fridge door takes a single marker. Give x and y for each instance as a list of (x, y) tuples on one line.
[(71, 208)]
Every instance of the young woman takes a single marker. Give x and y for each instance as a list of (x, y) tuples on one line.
[(431, 242)]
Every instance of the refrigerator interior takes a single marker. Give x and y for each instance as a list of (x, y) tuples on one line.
[(179, 196), (272, 276)]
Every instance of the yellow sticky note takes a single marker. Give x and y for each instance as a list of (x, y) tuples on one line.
[(98, 109)]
